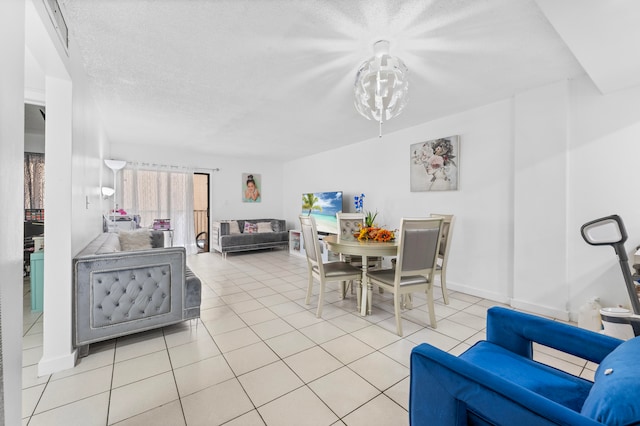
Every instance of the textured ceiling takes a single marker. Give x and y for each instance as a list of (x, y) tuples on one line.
[(274, 78)]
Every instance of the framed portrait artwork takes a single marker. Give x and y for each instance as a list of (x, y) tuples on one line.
[(434, 164), (251, 188)]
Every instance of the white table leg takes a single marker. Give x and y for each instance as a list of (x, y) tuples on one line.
[(366, 289)]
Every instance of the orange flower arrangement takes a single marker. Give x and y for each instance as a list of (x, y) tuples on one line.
[(375, 234), (384, 235)]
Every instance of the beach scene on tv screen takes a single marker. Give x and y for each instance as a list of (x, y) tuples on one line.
[(323, 206)]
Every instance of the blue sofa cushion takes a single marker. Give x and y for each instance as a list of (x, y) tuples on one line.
[(556, 385), (613, 399)]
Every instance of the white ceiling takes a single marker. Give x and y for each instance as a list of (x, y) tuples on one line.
[(274, 78)]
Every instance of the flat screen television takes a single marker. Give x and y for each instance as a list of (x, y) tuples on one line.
[(323, 206)]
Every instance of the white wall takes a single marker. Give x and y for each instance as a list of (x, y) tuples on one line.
[(603, 180), (74, 148), (226, 184), (44, 57), (12, 30), (533, 169), (540, 200), (481, 259), (89, 149), (57, 350)]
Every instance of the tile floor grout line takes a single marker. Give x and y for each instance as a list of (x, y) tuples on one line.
[(226, 281), (235, 375), (113, 370), (306, 384), (35, 407), (173, 374)]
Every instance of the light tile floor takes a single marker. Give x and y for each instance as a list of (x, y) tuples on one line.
[(258, 355)]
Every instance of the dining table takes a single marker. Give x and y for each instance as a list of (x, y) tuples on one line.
[(364, 248)]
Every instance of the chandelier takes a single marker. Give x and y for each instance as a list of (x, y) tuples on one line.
[(381, 85)]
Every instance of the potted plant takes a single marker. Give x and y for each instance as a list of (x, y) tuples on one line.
[(370, 218), (371, 231)]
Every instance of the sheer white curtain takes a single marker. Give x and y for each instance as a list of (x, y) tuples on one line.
[(160, 193)]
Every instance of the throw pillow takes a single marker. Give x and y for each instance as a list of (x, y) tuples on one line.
[(233, 227), (275, 225), (135, 240), (613, 399), (250, 228), (264, 227)]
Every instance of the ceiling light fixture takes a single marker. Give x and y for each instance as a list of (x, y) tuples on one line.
[(381, 85)]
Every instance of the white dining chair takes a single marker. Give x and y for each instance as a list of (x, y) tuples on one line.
[(443, 253), (418, 245), (348, 225), (443, 258), (323, 271)]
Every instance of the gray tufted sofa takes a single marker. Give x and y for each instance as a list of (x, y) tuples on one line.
[(224, 241), (117, 293)]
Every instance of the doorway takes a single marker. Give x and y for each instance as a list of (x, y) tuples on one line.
[(201, 210), (34, 130), (33, 255)]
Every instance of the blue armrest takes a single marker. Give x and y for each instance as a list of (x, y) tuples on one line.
[(450, 390), (515, 331), (446, 390)]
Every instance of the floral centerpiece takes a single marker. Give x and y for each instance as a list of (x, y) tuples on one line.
[(375, 234), (370, 231)]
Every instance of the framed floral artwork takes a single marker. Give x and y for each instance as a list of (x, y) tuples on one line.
[(434, 164), (251, 188)]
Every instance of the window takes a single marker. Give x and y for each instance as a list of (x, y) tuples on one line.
[(160, 194)]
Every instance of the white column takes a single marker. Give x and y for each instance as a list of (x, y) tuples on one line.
[(540, 281), (58, 353), (12, 34)]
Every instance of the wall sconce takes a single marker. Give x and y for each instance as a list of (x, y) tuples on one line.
[(107, 192)]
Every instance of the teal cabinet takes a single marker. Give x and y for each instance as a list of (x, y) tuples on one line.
[(37, 281)]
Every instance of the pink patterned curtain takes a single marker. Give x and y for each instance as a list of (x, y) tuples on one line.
[(33, 180)]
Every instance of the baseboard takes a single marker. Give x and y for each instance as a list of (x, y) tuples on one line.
[(547, 311), (53, 365), (473, 291)]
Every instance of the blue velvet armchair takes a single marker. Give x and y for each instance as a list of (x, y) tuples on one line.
[(496, 382)]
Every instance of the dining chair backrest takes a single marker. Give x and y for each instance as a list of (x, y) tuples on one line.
[(310, 238), (418, 242), (349, 223), (447, 232)]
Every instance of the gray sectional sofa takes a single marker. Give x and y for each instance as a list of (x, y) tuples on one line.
[(118, 292), (232, 236)]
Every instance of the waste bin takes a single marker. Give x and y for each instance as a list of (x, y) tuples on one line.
[(37, 280), (615, 322)]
